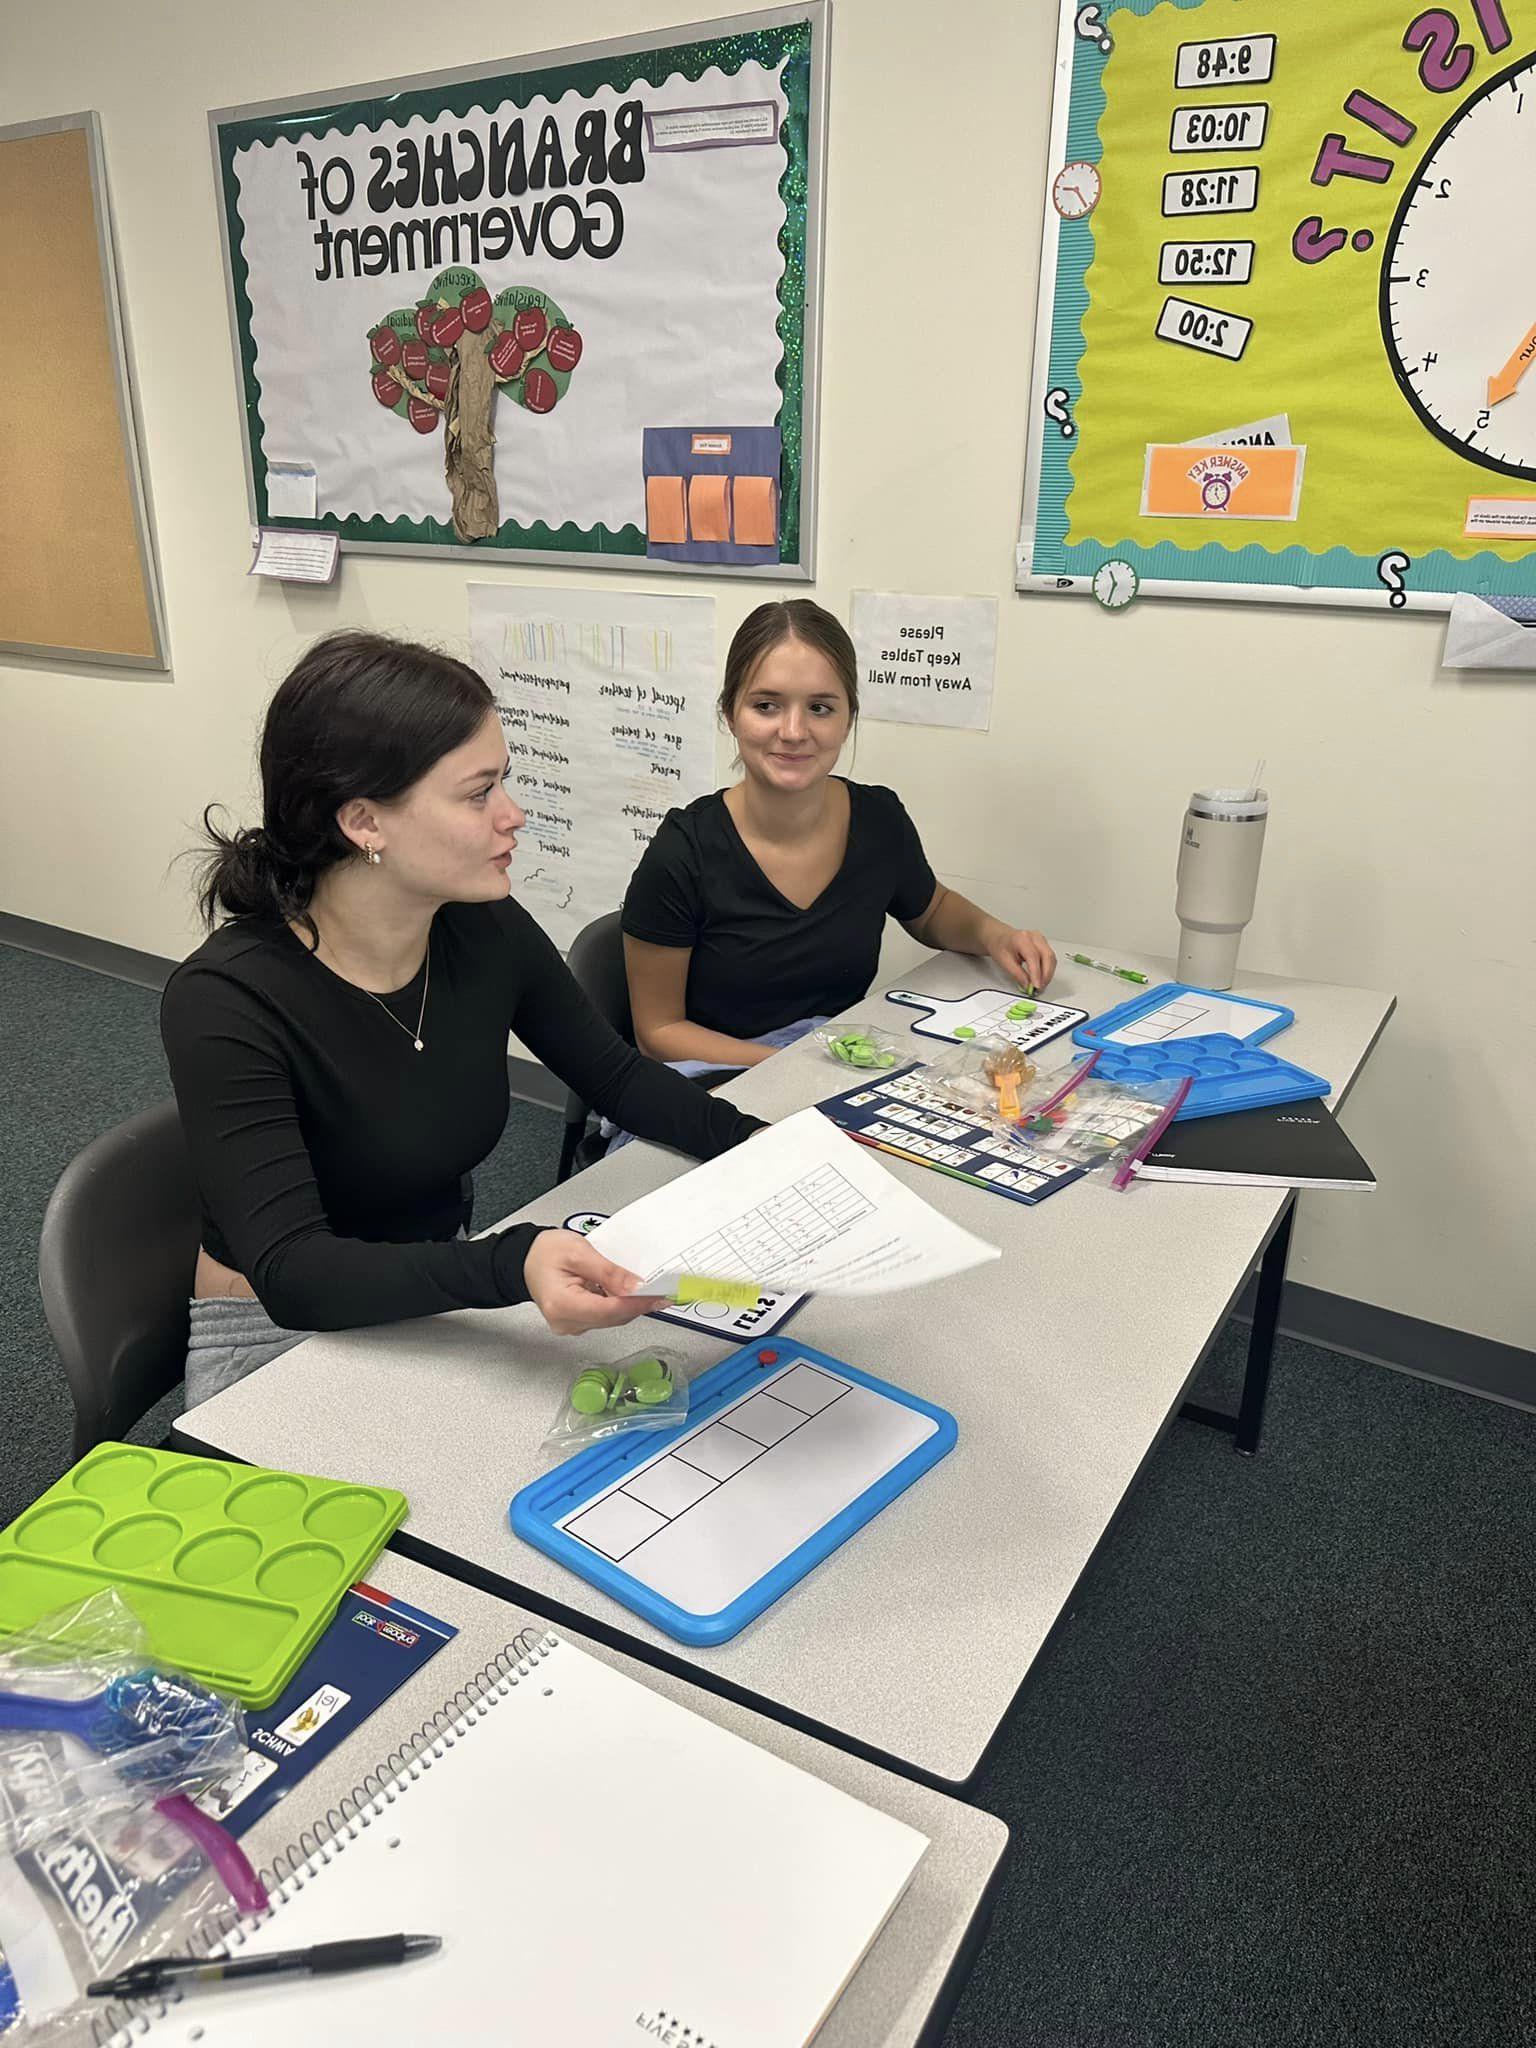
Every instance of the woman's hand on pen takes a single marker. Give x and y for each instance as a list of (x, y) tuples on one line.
[(1025, 957), (576, 1289)]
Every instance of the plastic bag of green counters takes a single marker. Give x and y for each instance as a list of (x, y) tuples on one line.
[(863, 1047), (646, 1390)]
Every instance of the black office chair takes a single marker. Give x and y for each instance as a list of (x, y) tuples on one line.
[(596, 959), (115, 1265)]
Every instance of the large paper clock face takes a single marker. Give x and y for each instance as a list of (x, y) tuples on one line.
[(1458, 277)]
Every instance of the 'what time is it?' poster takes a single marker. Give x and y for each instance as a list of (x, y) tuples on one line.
[(1287, 338)]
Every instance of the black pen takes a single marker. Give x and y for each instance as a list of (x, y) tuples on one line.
[(162, 1973)]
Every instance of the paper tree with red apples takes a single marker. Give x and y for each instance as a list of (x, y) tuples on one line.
[(441, 363)]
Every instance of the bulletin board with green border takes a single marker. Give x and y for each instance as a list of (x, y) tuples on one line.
[(1286, 223), (499, 214)]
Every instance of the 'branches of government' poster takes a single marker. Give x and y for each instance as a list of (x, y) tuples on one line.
[(559, 311)]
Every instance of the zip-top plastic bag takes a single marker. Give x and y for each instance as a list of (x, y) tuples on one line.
[(104, 1859), (645, 1390), (1101, 1125), (863, 1047), (80, 1688)]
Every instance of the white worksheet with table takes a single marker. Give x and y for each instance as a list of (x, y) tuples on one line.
[(799, 1206)]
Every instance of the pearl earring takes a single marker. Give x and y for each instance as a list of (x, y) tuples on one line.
[(372, 855)]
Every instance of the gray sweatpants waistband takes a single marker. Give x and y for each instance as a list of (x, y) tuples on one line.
[(227, 1339)]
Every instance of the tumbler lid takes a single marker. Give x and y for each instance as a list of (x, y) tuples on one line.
[(1237, 805)]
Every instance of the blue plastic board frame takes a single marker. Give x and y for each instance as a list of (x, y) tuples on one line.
[(1097, 1031), (535, 1510)]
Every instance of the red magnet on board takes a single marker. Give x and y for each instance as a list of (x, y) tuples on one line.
[(767, 1358)]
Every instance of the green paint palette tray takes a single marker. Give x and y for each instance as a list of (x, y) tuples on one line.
[(233, 1570)]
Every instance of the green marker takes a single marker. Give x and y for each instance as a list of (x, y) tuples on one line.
[(1108, 967)]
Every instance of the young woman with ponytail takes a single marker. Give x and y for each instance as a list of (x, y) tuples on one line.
[(338, 1043)]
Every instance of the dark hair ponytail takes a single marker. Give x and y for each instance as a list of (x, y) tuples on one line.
[(245, 876), (359, 715)]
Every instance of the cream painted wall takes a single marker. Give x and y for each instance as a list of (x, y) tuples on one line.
[(1401, 851)]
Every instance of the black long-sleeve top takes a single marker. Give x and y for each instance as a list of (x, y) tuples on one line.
[(333, 1159)]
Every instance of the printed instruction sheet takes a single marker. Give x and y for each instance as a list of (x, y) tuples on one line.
[(800, 1206)]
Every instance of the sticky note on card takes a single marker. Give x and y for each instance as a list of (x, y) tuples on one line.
[(692, 1287)]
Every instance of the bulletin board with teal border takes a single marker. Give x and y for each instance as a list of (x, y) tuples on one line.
[(1286, 309)]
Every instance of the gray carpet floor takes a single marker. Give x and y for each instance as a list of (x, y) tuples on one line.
[(1272, 1783)]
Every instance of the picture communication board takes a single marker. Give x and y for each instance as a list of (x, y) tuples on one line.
[(907, 1115)]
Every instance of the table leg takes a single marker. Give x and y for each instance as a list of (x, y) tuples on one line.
[(1244, 1427)]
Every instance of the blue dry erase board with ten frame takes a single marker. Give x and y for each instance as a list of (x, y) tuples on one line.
[(786, 1453), (1176, 1009)]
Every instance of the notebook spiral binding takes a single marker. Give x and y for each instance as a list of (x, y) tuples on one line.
[(322, 1842)]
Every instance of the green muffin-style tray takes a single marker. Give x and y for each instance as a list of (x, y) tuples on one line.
[(233, 1570)]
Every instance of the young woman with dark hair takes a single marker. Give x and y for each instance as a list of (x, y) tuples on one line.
[(338, 1044), (762, 906)]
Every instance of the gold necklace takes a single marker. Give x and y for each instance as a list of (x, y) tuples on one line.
[(414, 1036)]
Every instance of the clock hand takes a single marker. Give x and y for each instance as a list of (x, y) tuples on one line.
[(1505, 382)]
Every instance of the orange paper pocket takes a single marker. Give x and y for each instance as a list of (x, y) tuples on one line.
[(664, 521), (708, 513), (754, 500)]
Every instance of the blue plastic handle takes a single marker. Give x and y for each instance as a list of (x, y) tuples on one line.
[(80, 1718), (139, 1708)]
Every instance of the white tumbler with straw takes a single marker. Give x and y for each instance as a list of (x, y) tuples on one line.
[(1219, 853)]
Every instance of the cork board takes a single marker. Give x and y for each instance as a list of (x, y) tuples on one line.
[(77, 569)]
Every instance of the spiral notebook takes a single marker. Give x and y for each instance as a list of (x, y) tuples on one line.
[(604, 1867)]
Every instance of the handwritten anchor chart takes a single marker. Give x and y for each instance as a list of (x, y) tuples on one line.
[(1285, 339), (606, 706)]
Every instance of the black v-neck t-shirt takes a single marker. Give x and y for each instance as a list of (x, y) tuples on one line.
[(760, 961), (332, 1159)]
